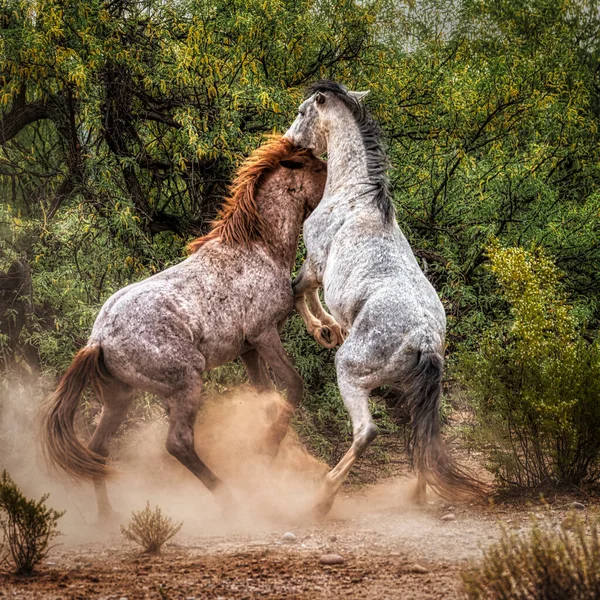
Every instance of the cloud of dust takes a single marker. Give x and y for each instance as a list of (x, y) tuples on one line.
[(272, 494), (229, 431)]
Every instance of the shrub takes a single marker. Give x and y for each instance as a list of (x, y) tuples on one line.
[(542, 564), (150, 529), (536, 378), (27, 525)]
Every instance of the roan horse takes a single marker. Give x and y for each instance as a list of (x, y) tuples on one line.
[(374, 288), (225, 300)]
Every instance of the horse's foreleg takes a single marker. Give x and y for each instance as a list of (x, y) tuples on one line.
[(272, 351), (183, 407), (257, 370), (304, 286), (356, 400), (117, 398), (329, 326)]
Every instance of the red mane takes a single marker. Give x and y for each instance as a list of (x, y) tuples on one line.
[(239, 221)]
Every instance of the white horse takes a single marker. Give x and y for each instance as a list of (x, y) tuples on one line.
[(374, 288)]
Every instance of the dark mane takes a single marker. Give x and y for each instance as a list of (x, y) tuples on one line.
[(377, 162), (239, 221)]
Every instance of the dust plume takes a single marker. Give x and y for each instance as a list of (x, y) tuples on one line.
[(229, 431)]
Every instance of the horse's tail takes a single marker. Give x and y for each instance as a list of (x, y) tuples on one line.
[(60, 443), (430, 456)]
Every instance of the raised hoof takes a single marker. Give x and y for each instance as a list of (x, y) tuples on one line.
[(326, 337)]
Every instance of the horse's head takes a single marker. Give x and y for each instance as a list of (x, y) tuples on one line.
[(328, 103), (307, 175)]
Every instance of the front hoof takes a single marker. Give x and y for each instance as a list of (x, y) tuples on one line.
[(339, 334), (326, 337)]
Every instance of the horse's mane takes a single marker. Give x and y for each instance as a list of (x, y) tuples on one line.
[(377, 162), (239, 221)]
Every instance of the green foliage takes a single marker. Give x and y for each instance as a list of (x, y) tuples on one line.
[(28, 526), (536, 378), (540, 564), (150, 529)]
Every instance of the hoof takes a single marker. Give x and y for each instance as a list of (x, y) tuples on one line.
[(228, 505), (326, 337), (109, 518), (325, 502), (340, 334)]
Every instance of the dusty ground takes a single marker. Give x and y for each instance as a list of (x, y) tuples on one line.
[(390, 548), (388, 553)]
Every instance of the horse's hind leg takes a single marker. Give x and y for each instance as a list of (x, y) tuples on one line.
[(183, 407), (272, 351), (116, 400), (257, 370)]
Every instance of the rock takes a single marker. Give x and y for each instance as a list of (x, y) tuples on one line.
[(418, 569), (577, 506), (568, 523), (449, 517), (288, 537), (333, 538), (332, 559)]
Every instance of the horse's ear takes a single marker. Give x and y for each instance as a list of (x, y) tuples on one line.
[(358, 96), (291, 164), (320, 98)]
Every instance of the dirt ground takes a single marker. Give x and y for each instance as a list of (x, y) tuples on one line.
[(389, 547), (388, 552)]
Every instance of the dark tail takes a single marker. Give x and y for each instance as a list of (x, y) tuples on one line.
[(430, 455), (61, 446)]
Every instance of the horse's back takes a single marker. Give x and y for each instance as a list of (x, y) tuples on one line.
[(205, 304)]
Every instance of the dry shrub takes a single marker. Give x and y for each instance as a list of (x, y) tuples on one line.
[(543, 564), (27, 525), (150, 529)]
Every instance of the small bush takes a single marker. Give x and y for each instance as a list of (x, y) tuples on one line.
[(150, 529), (542, 564), (27, 525), (536, 379)]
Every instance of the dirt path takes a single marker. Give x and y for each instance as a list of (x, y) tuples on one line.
[(388, 552)]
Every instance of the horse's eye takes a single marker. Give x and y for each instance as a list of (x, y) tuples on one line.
[(301, 113)]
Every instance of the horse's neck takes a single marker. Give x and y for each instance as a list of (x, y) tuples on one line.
[(282, 216), (346, 157)]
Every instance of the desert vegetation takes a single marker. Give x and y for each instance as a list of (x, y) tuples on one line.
[(543, 563), (150, 529), (28, 527)]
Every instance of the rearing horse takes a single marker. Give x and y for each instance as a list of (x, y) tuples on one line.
[(374, 288), (226, 300)]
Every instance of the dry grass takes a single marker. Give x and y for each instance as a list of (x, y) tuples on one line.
[(543, 564), (150, 529)]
